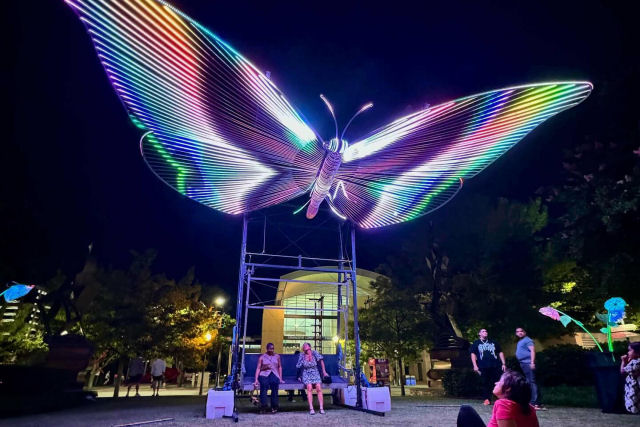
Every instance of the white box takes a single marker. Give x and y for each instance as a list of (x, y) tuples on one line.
[(377, 398), (349, 396), (219, 404)]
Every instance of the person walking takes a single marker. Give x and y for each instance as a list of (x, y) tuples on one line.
[(158, 367), (309, 360), (630, 366), (488, 360), (134, 374), (526, 355), (269, 377)]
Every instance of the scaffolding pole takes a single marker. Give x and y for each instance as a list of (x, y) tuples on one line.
[(356, 327)]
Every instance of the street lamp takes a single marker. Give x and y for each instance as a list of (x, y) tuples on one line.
[(207, 338), (219, 302)]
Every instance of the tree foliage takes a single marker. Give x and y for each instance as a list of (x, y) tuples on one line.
[(595, 235), (497, 257), (137, 312), (393, 324)]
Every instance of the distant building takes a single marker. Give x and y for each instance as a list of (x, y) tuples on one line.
[(288, 328)]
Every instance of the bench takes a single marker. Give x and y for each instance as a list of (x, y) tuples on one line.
[(289, 372)]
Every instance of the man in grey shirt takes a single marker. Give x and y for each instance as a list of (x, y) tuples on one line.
[(526, 355)]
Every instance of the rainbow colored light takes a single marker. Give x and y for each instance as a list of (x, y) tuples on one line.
[(220, 132)]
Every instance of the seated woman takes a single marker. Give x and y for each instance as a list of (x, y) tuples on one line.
[(631, 366), (512, 409), (311, 375)]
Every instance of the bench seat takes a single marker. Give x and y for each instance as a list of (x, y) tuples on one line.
[(289, 372)]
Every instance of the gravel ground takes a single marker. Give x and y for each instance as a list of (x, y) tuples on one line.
[(189, 410)]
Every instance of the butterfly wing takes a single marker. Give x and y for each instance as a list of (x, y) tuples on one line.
[(216, 128), (418, 163)]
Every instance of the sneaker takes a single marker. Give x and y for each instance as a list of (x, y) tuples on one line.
[(486, 402), (312, 412), (322, 411), (137, 394), (539, 408)]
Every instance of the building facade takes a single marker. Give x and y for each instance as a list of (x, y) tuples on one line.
[(302, 310)]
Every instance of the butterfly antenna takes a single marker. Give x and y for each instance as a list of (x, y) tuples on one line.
[(362, 109), (330, 107)]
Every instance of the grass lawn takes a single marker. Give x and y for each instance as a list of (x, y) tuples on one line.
[(189, 410), (584, 397)]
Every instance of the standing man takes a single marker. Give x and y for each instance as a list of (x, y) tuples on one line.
[(526, 355), (158, 367), (269, 376), (135, 373), (484, 357)]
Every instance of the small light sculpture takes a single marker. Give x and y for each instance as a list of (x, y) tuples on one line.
[(16, 291), (219, 131), (615, 314)]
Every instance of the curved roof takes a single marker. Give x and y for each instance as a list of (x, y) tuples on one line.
[(288, 289)]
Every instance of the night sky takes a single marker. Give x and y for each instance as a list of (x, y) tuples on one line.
[(72, 169)]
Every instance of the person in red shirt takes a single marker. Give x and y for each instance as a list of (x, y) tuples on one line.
[(512, 409)]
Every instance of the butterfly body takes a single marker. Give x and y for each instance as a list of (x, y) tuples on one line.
[(326, 175), (220, 132)]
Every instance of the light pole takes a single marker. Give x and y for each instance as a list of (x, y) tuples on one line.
[(219, 302), (207, 337)]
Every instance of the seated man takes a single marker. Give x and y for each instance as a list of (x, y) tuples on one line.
[(269, 376)]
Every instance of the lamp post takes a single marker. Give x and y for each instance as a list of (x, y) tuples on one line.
[(219, 302), (207, 337)]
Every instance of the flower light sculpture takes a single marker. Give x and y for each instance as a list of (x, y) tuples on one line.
[(219, 131), (565, 319), (615, 314)]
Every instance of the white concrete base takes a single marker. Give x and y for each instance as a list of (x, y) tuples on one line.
[(348, 396), (219, 404), (378, 398)]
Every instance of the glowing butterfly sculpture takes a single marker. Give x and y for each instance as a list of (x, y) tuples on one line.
[(220, 132), (16, 291)]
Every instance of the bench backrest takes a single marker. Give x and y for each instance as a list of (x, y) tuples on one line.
[(289, 364)]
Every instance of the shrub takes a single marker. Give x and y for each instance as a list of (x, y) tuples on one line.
[(462, 383), (563, 364)]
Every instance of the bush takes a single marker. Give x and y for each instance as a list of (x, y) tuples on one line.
[(462, 383), (563, 364)]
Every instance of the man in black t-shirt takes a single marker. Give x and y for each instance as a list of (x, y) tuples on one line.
[(484, 357)]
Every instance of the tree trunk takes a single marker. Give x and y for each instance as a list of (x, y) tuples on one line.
[(179, 365), (92, 375), (402, 378), (118, 378)]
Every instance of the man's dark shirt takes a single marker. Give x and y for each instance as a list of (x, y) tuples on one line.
[(487, 353)]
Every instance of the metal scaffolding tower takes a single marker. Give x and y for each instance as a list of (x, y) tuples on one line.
[(264, 269)]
